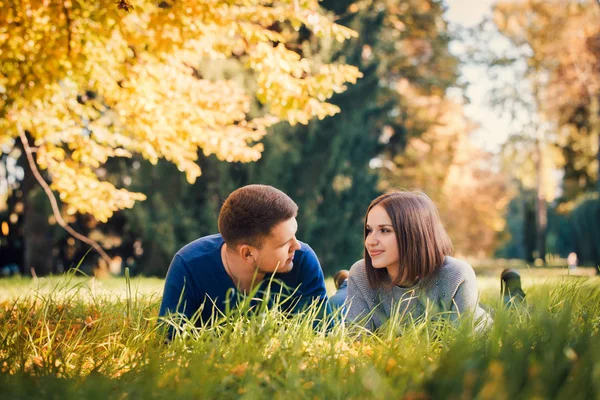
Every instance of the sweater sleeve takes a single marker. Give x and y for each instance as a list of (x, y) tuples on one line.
[(465, 299), (356, 303)]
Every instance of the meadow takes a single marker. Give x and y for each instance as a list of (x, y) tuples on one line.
[(76, 337)]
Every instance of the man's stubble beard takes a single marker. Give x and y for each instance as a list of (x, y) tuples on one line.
[(280, 269)]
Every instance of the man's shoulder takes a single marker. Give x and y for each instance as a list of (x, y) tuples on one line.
[(307, 255), (305, 248), (206, 247)]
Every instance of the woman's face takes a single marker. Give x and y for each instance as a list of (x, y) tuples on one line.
[(381, 241)]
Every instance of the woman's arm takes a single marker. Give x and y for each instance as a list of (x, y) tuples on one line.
[(465, 298), (357, 304), (466, 301)]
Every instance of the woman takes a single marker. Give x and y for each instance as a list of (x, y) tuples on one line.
[(407, 266)]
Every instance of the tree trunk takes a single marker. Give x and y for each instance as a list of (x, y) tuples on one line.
[(37, 238), (595, 131), (541, 215)]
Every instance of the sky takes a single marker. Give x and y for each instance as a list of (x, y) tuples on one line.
[(493, 129)]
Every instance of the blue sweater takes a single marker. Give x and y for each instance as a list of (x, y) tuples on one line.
[(198, 271)]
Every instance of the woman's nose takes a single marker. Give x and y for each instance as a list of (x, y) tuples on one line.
[(371, 240)]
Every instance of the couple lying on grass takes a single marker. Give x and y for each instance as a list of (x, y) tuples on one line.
[(406, 268)]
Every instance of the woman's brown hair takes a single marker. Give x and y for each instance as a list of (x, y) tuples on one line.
[(422, 240)]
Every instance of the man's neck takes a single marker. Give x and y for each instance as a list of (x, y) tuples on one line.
[(241, 273)]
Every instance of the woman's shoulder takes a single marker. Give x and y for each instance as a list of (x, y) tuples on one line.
[(358, 269), (456, 269), (358, 282), (358, 276)]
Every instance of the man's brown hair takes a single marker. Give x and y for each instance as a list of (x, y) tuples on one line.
[(422, 240), (249, 214), (340, 277)]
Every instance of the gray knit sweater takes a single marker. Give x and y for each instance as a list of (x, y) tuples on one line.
[(451, 288)]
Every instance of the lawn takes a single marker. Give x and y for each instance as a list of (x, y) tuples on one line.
[(76, 337)]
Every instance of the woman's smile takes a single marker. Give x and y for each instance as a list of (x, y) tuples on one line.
[(375, 253)]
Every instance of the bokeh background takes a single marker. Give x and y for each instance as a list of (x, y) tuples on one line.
[(491, 108)]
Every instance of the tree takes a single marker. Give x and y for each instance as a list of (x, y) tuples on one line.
[(329, 166), (326, 166), (559, 44), (88, 81), (459, 177), (84, 82)]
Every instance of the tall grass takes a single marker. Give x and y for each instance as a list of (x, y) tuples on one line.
[(75, 341)]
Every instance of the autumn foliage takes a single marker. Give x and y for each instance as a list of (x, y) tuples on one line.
[(89, 80)]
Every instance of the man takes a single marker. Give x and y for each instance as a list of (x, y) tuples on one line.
[(257, 241), (340, 280)]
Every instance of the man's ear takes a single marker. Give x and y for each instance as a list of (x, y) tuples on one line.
[(247, 253)]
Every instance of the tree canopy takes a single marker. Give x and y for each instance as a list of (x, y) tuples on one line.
[(88, 81)]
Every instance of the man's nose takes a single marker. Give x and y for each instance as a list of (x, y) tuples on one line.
[(295, 245)]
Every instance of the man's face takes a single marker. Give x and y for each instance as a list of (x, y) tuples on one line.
[(277, 252)]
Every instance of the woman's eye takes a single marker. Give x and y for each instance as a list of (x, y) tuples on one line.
[(385, 230)]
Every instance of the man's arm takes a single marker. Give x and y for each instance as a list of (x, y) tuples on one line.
[(312, 282), (180, 295)]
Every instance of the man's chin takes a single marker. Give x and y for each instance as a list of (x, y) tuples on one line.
[(287, 267)]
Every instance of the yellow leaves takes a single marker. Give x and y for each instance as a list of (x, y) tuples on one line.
[(81, 189), (495, 386), (391, 365), (367, 350), (293, 91), (239, 370), (142, 92), (308, 385)]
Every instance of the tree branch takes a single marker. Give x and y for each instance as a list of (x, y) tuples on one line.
[(50, 194), (69, 33)]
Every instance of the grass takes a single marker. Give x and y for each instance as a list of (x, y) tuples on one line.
[(73, 338)]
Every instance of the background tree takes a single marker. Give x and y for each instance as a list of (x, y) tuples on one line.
[(560, 46), (459, 177), (332, 168), (86, 82)]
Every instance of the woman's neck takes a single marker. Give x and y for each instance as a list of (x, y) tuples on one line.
[(393, 273)]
